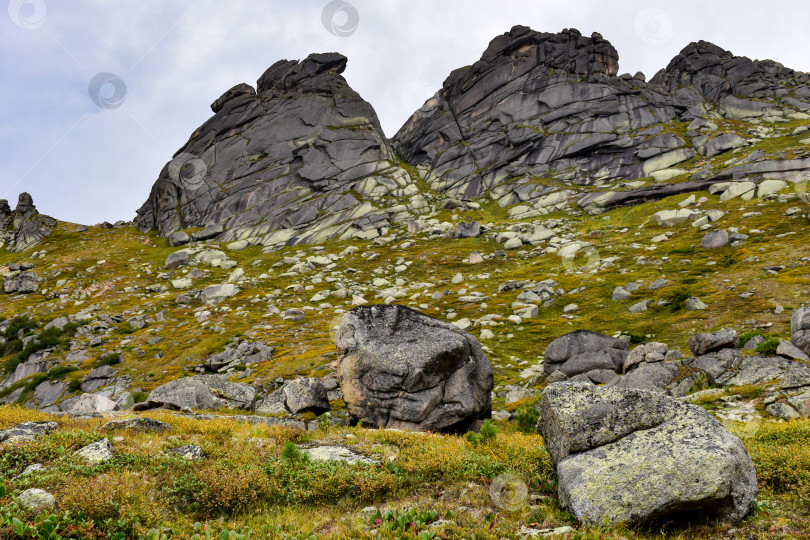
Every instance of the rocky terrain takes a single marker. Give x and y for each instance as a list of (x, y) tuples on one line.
[(559, 301)]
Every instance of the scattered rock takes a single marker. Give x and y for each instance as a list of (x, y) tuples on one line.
[(26, 431), (191, 452), (97, 452), (135, 424), (36, 499), (337, 453), (306, 394), (715, 239), (707, 342)]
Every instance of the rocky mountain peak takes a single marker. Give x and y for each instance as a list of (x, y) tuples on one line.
[(25, 204), (301, 159), (714, 73), (568, 50), (317, 72), (25, 227)]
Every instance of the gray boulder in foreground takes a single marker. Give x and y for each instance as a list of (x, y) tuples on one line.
[(632, 456), (402, 369)]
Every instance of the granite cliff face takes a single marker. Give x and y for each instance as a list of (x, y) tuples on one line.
[(301, 159), (541, 123)]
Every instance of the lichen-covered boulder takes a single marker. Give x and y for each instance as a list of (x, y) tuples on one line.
[(402, 369), (633, 456)]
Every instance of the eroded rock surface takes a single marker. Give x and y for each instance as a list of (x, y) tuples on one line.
[(402, 369)]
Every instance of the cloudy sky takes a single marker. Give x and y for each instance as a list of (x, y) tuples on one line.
[(154, 66)]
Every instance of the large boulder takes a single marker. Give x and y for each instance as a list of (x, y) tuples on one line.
[(201, 392), (582, 351), (632, 456), (399, 368), (800, 329)]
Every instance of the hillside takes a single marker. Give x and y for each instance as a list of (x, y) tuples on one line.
[(536, 194)]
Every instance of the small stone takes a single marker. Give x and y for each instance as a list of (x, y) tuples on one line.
[(694, 304), (97, 452), (191, 452), (715, 239), (36, 499)]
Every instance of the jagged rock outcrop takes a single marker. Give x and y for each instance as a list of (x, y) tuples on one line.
[(703, 73), (539, 109), (300, 159), (538, 104), (24, 227)]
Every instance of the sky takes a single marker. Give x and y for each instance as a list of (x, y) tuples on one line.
[(97, 95)]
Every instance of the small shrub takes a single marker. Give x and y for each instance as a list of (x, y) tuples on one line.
[(768, 346), (19, 323), (293, 454), (109, 359), (139, 396), (488, 430), (527, 417), (745, 337)]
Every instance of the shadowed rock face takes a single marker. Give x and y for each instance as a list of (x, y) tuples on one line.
[(534, 103), (24, 227), (303, 153), (703, 72), (402, 369)]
